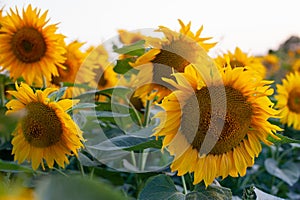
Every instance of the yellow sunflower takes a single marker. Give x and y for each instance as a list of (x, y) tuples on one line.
[(172, 53), (29, 47), (128, 38), (105, 77), (216, 136), (45, 130), (288, 100), (241, 59), (271, 63), (98, 60), (296, 65), (74, 71), (1, 17)]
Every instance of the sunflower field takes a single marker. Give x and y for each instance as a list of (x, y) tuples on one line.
[(146, 115)]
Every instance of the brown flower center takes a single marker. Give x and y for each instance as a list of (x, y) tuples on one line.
[(294, 100), (228, 131), (41, 126), (101, 80), (171, 59), (28, 45), (236, 63)]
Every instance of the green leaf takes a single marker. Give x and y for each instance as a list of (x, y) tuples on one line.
[(135, 49), (119, 108), (212, 192), (83, 106), (289, 173), (106, 114), (79, 85), (123, 66), (7, 124), (197, 196), (75, 188), (128, 142), (160, 187), (55, 96), (6, 166), (118, 91), (283, 140), (86, 161)]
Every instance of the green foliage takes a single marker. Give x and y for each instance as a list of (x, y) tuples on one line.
[(76, 188)]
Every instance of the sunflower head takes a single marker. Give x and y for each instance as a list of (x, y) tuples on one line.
[(29, 47), (288, 100), (174, 52), (74, 71), (214, 128), (241, 59), (271, 63), (44, 131), (128, 38)]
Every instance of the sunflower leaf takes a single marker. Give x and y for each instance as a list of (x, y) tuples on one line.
[(76, 188), (14, 167), (128, 142), (212, 192), (160, 187), (123, 66), (288, 173), (118, 91), (283, 139), (262, 195), (83, 106), (55, 96), (135, 49)]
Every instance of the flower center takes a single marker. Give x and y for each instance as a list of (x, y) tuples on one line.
[(228, 132), (236, 63), (294, 100), (41, 126), (102, 81), (28, 45), (171, 59)]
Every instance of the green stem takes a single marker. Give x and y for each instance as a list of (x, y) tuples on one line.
[(147, 113), (133, 158), (136, 113), (283, 154), (81, 170), (59, 171), (184, 184), (92, 173), (2, 93), (145, 154)]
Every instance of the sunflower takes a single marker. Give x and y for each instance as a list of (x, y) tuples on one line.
[(128, 38), (74, 71), (241, 59), (1, 17), (105, 77), (29, 47), (172, 53), (98, 60), (296, 65), (216, 136), (288, 100), (271, 63), (45, 130)]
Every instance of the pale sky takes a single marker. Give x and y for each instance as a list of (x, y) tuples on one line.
[(255, 25)]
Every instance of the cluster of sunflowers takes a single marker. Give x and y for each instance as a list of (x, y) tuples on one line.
[(213, 115)]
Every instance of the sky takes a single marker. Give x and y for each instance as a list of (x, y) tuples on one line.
[(254, 26)]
